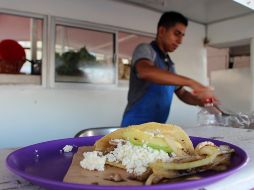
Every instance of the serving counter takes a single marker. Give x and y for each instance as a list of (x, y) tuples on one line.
[(242, 179)]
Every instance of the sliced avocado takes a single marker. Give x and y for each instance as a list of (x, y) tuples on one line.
[(137, 137), (159, 144)]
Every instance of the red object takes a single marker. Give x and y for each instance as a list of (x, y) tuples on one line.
[(11, 51)]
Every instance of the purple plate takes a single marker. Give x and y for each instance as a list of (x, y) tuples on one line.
[(45, 164)]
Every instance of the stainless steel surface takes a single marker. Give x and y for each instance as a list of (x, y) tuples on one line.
[(96, 131)]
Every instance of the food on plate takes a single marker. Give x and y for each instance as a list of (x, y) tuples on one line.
[(154, 153), (67, 148)]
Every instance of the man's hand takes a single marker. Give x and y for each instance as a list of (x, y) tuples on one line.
[(204, 93), (199, 95)]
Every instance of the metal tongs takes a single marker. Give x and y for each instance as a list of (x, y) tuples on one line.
[(215, 109)]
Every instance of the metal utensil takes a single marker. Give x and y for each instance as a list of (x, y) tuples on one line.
[(96, 131)]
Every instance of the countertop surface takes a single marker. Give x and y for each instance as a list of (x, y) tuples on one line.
[(241, 180)]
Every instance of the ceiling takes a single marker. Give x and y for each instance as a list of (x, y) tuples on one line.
[(200, 11)]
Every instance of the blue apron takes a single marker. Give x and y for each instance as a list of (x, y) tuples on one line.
[(154, 105)]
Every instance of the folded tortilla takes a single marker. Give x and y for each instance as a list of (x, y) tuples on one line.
[(175, 137)]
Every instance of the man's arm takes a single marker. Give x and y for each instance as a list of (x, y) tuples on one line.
[(191, 99), (147, 71), (188, 97)]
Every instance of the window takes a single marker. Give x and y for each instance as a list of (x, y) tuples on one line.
[(84, 55), (27, 31), (79, 52), (126, 45)]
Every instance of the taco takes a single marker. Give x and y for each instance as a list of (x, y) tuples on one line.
[(167, 137), (152, 152)]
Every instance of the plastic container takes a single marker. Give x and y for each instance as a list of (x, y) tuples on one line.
[(210, 116)]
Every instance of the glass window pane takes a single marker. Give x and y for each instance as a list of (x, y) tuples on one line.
[(84, 55), (27, 31), (126, 44)]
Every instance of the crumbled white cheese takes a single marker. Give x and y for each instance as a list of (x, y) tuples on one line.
[(135, 158), (67, 148), (93, 161)]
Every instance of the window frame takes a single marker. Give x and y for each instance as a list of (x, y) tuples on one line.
[(16, 77), (48, 51), (54, 21), (125, 83)]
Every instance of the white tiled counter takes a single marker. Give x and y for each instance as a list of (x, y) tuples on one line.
[(241, 180)]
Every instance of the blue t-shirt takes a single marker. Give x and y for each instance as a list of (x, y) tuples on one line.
[(148, 101)]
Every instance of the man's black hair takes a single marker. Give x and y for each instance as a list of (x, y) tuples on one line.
[(171, 18)]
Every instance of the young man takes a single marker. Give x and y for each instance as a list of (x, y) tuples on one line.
[(153, 79)]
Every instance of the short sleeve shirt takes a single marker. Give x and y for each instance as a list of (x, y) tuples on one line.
[(137, 86)]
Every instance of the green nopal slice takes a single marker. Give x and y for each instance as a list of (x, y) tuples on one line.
[(139, 138)]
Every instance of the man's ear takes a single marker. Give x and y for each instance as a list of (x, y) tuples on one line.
[(161, 31)]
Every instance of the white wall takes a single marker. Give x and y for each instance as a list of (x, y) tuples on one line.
[(233, 32), (30, 115), (190, 60), (234, 87), (217, 59), (35, 114)]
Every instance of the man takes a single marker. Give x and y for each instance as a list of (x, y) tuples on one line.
[(153, 79)]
